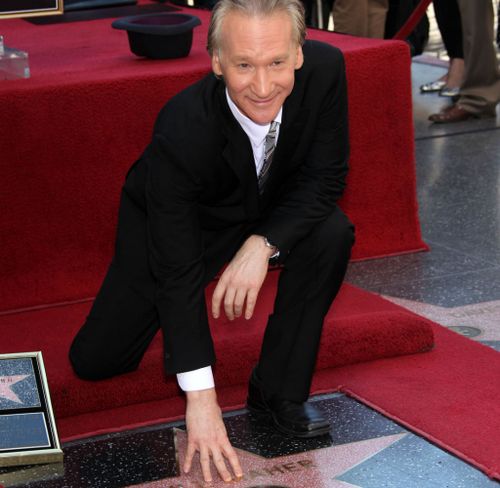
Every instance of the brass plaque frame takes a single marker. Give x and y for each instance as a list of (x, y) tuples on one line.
[(28, 433), (30, 8)]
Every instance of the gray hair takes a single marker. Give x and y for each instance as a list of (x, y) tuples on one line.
[(293, 8)]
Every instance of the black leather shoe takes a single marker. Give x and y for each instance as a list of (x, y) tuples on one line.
[(291, 418)]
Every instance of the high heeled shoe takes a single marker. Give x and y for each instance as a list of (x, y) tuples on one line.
[(432, 86)]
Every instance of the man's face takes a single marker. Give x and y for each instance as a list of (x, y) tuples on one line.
[(258, 58)]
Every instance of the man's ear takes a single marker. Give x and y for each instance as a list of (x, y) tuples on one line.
[(299, 60), (216, 66)]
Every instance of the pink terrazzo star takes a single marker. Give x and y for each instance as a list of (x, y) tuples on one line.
[(317, 468), (483, 316), (6, 384)]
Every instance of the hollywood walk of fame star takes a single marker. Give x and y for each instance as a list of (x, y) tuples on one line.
[(317, 468), (6, 384)]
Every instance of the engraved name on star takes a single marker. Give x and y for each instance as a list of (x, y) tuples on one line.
[(317, 468), (6, 384)]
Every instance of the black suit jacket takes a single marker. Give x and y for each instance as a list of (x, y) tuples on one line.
[(198, 175)]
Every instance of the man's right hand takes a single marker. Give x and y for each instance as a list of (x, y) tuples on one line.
[(242, 279), (207, 435)]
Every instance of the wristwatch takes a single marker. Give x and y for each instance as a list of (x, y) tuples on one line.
[(276, 251)]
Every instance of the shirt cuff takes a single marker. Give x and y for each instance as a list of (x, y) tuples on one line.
[(199, 379)]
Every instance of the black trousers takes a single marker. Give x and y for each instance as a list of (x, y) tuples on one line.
[(498, 26), (450, 25), (123, 319)]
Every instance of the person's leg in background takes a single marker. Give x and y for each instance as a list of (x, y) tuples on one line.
[(498, 25), (308, 6), (450, 26), (364, 18), (377, 13), (351, 17), (327, 11), (311, 8), (480, 91)]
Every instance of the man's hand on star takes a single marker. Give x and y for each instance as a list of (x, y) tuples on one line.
[(207, 435), (241, 281)]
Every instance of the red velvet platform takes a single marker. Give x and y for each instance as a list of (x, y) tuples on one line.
[(68, 135)]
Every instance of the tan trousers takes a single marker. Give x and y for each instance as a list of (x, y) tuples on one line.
[(480, 90), (365, 18)]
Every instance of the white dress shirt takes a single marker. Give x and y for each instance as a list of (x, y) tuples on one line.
[(256, 133), (203, 378)]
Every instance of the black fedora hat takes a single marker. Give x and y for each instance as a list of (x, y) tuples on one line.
[(159, 36)]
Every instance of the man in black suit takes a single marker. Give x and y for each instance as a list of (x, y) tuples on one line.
[(244, 166)]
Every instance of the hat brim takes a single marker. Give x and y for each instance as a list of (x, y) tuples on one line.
[(159, 36)]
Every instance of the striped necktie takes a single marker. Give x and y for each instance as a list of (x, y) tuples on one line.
[(269, 147)]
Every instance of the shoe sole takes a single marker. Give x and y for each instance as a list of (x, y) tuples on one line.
[(267, 414)]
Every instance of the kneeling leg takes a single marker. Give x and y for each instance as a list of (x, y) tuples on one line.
[(117, 332), (312, 275)]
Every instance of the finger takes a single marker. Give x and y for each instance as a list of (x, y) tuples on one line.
[(218, 460), (234, 462), (239, 301), (205, 464), (251, 301), (229, 303), (217, 299), (190, 452)]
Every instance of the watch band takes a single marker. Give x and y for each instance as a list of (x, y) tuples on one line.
[(276, 251)]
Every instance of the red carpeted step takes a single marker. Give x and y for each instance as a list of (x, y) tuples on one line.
[(360, 327)]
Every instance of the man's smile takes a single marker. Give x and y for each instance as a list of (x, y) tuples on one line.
[(265, 101)]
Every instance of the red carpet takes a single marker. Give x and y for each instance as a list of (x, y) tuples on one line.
[(451, 395), (68, 135), (360, 327)]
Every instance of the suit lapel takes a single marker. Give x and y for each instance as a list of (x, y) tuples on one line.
[(292, 126), (238, 155), (293, 121)]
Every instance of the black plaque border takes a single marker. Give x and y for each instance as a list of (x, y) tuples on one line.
[(57, 8), (34, 455)]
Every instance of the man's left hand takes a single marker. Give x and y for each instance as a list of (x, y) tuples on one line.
[(241, 281)]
